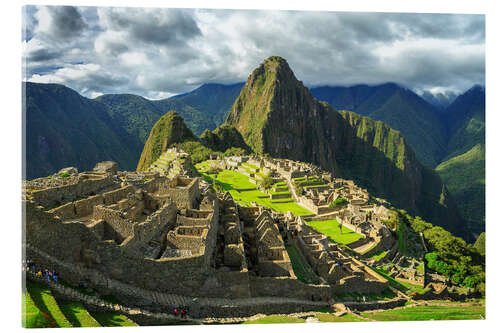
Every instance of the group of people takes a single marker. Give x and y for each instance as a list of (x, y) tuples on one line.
[(180, 312), (50, 275)]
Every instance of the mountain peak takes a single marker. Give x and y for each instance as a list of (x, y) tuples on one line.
[(169, 129)]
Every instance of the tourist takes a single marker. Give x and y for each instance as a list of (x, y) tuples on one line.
[(47, 275), (183, 314), (176, 312), (54, 276)]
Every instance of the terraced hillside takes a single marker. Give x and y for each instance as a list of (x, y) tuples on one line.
[(244, 192), (41, 309)]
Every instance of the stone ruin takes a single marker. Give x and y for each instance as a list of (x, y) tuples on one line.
[(176, 235)]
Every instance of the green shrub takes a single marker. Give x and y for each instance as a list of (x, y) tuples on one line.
[(64, 175), (267, 182), (339, 202)]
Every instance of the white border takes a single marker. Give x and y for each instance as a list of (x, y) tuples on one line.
[(11, 148)]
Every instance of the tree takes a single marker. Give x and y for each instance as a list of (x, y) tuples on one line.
[(267, 182)]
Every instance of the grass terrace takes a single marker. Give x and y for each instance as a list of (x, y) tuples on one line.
[(430, 312), (41, 309), (379, 255), (244, 192), (331, 229), (322, 317), (301, 268)]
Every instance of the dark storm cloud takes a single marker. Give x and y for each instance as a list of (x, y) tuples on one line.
[(170, 27), (42, 55), (159, 52), (67, 22)]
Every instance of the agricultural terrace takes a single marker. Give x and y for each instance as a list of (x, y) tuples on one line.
[(453, 311), (440, 311), (331, 229), (42, 309), (244, 192)]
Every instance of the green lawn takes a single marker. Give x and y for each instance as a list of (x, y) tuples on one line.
[(379, 255), (32, 317), (231, 181), (276, 319), (301, 268), (331, 229), (77, 315), (108, 319), (45, 302), (430, 312), (323, 317), (41, 309), (331, 318)]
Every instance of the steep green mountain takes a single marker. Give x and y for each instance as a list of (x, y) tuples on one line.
[(223, 138), (168, 130), (398, 107), (463, 169), (64, 128), (277, 114), (465, 121), (204, 108), (464, 175), (133, 113)]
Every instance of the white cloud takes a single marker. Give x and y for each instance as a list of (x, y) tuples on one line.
[(160, 52)]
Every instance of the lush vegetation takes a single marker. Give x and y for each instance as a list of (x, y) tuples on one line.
[(58, 120), (267, 182), (168, 130), (331, 228), (225, 138), (449, 255), (339, 202), (464, 175), (396, 106)]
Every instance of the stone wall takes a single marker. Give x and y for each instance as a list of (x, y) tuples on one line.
[(184, 194), (56, 196), (123, 227), (114, 196)]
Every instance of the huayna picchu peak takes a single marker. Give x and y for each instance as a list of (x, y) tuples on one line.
[(277, 115)]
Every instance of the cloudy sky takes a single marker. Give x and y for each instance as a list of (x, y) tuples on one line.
[(157, 53)]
